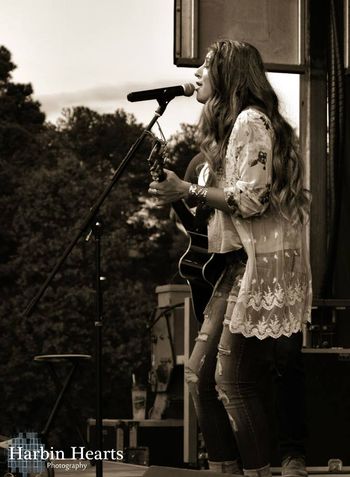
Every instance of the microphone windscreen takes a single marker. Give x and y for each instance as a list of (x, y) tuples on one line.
[(188, 89)]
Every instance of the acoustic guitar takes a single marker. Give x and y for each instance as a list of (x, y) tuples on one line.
[(199, 268)]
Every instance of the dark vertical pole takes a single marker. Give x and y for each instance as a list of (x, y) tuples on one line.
[(342, 271), (97, 231), (313, 131), (342, 262)]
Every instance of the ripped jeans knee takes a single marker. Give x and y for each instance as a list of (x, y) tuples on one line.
[(190, 376), (224, 379), (232, 383), (202, 337), (193, 373), (196, 371)]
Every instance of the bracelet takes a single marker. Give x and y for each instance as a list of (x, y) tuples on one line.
[(230, 198), (198, 194)]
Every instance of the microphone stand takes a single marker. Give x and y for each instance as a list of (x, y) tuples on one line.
[(91, 222)]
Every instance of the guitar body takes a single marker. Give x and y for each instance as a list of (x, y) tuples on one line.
[(199, 268)]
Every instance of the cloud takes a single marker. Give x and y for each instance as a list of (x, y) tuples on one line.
[(97, 97)]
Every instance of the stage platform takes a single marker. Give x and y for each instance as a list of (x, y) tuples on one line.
[(119, 469), (110, 469)]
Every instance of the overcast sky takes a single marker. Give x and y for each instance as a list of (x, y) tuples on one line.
[(94, 52)]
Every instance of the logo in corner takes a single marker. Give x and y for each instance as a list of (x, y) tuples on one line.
[(26, 454)]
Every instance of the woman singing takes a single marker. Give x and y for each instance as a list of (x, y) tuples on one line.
[(253, 181)]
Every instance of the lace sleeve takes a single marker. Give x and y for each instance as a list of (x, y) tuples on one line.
[(249, 164)]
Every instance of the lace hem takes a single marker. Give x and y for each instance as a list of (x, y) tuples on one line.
[(271, 312), (266, 328)]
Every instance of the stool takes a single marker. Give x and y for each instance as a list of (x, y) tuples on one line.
[(50, 360)]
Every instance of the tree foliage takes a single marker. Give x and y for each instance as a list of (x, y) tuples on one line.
[(50, 178), (183, 146)]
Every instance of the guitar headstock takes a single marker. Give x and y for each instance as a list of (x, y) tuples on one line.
[(156, 160)]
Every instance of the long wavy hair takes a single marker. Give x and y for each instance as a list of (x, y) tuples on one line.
[(238, 80)]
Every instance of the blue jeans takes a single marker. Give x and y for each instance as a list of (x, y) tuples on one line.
[(224, 374), (289, 375)]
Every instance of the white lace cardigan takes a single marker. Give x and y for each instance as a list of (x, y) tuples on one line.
[(275, 292)]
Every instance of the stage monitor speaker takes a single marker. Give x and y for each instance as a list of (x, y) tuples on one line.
[(155, 471), (328, 407)]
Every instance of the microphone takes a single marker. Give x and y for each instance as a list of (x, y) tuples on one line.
[(165, 94)]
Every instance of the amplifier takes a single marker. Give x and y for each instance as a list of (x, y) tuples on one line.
[(328, 405), (157, 442)]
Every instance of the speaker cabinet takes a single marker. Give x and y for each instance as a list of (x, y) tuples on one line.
[(328, 405)]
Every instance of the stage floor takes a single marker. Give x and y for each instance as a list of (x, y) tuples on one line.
[(119, 469), (110, 469)]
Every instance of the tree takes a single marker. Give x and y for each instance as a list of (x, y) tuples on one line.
[(183, 146), (21, 122), (50, 177), (56, 194), (20, 116)]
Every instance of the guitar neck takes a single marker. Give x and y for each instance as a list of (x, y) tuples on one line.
[(187, 218)]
